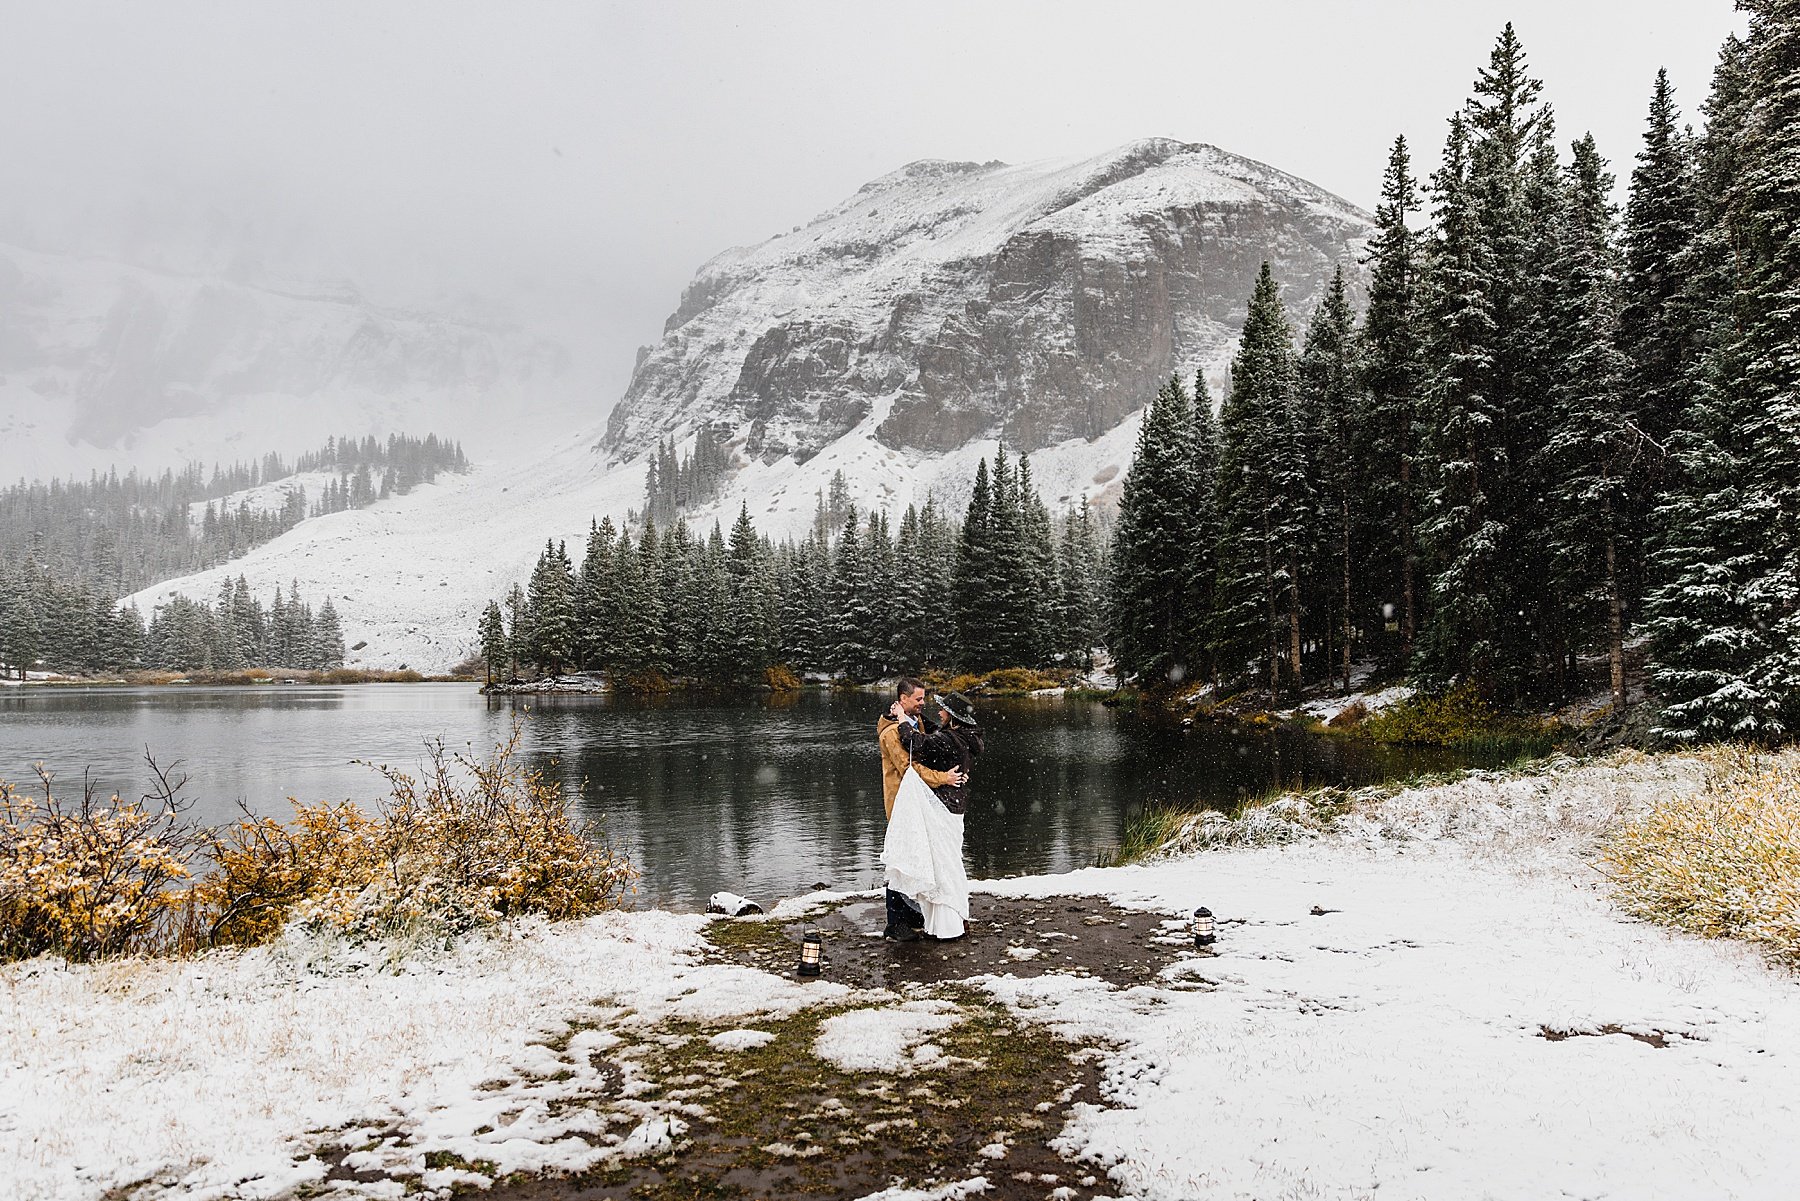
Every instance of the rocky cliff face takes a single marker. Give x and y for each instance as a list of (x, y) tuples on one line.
[(952, 302)]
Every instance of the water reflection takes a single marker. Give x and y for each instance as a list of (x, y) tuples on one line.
[(764, 795)]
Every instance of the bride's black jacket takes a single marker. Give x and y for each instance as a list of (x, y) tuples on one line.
[(942, 748)]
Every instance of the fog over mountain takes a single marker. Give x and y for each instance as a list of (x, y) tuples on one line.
[(229, 224)]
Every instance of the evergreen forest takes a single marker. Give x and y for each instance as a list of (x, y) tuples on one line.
[(69, 550), (118, 535), (1004, 585), (1558, 435), (62, 625)]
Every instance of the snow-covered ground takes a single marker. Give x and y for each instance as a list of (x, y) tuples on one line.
[(1435, 1001)]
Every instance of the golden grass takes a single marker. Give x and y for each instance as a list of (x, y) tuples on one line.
[(1723, 862), (1459, 718)]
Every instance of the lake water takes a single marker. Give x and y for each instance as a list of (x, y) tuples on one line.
[(765, 796)]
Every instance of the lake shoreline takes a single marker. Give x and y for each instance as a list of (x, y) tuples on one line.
[(333, 677), (1444, 957)]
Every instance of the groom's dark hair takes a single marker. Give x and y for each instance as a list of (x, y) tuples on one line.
[(907, 687)]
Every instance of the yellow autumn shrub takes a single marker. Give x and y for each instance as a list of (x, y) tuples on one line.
[(1723, 862), (263, 869), (467, 842), (781, 678), (96, 876)]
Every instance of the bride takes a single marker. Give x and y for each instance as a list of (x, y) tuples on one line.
[(923, 852)]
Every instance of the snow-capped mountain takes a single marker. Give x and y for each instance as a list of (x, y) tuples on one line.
[(106, 363), (956, 301), (897, 338)]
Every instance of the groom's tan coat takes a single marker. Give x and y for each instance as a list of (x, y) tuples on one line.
[(895, 761)]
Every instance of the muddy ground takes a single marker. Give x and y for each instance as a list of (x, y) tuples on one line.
[(778, 1122)]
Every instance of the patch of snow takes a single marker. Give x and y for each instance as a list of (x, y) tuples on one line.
[(1375, 1020), (887, 1039), (974, 1186), (1326, 709), (740, 1040), (100, 1064)]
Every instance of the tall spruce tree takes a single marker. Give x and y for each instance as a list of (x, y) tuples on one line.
[(852, 604), (1712, 615), (1655, 324), (1331, 395), (978, 582), (1393, 355), (1151, 611), (1266, 501), (1462, 533), (1593, 455), (492, 633)]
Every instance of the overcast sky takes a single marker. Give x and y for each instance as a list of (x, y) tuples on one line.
[(620, 145)]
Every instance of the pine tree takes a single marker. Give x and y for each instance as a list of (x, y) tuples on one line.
[(1332, 400), (551, 598), (803, 605), (328, 637), (748, 612), (1010, 608), (1150, 607), (1266, 501), (1462, 535), (976, 601), (1039, 589), (518, 630), (851, 605), (596, 599), (1725, 623), (19, 630), (1655, 326), (1081, 570), (1591, 456), (492, 633), (912, 604), (678, 588)]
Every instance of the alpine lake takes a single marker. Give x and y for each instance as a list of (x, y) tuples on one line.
[(763, 795)]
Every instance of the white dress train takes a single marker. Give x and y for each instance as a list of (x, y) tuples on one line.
[(924, 857)]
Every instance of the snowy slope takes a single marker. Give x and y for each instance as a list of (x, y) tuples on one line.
[(410, 574)]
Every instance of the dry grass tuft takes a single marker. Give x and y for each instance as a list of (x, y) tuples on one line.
[(1723, 862)]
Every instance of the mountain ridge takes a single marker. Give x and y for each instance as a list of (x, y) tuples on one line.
[(1034, 302)]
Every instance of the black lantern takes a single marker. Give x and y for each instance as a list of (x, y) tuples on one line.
[(812, 953), (1205, 930)]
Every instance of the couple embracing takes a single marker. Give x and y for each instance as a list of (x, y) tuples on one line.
[(925, 772)]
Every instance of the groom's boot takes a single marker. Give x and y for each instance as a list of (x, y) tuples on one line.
[(903, 921)]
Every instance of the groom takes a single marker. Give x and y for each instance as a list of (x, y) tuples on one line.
[(905, 717)]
